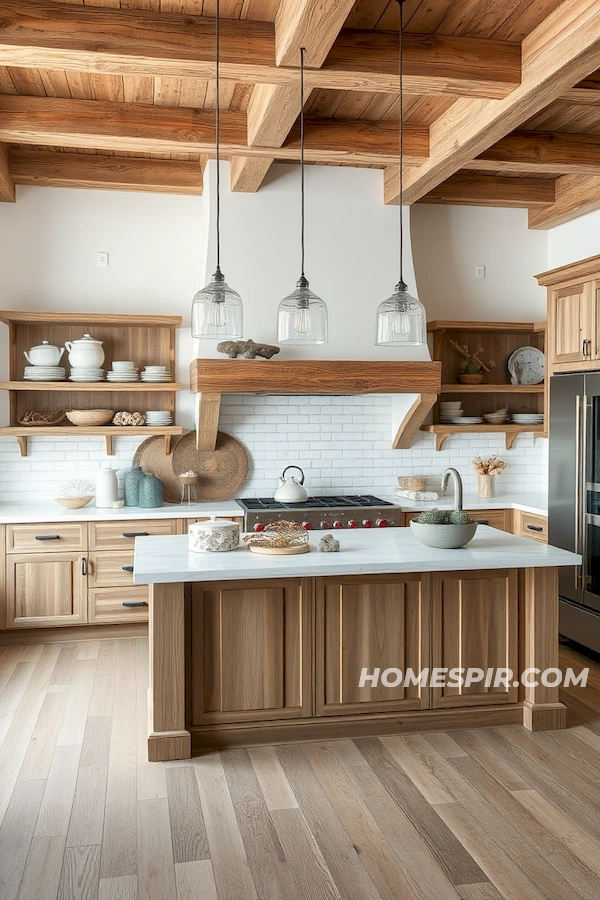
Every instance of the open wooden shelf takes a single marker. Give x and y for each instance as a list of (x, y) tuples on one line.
[(511, 432), (492, 388), (22, 432), (89, 386)]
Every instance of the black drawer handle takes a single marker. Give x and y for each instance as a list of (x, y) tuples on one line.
[(483, 521), (134, 534), (127, 568), (47, 537), (535, 528), (131, 603)]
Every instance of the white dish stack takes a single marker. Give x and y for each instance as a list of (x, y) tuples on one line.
[(156, 375), (86, 373), (158, 417), (44, 373), (450, 411), (528, 418), (123, 371)]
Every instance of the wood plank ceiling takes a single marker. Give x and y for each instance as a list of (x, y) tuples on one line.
[(501, 102)]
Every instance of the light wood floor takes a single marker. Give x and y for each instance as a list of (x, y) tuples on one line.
[(475, 815)]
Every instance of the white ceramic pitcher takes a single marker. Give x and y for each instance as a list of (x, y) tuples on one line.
[(85, 353)]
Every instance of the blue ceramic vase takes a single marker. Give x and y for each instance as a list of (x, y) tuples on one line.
[(133, 479), (150, 492)]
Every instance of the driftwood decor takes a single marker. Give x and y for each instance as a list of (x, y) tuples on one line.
[(248, 348)]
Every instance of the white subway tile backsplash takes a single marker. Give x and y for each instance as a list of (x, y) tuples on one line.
[(342, 443)]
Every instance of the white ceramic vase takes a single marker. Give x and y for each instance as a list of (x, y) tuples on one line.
[(107, 488), (85, 353)]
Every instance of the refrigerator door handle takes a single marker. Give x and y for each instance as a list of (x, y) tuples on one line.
[(586, 405), (578, 479)]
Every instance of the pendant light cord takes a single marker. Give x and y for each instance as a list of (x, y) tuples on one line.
[(217, 132), (401, 174), (302, 52)]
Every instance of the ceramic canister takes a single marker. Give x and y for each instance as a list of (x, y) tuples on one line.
[(214, 535), (150, 492), (132, 482), (107, 488)]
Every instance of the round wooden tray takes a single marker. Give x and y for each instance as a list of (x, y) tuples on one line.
[(279, 551), (221, 472)]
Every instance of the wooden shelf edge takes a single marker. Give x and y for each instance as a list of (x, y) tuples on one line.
[(506, 327), (22, 434), (492, 388), (511, 432), (77, 318), (92, 386)]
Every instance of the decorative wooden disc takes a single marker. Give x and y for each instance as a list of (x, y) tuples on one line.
[(278, 551), (221, 472), (150, 455)]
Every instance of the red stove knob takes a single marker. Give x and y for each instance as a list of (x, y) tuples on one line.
[(338, 524), (382, 523), (259, 527), (367, 523), (307, 525), (324, 525), (352, 523)]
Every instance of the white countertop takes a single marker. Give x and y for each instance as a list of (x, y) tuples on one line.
[(364, 552), (16, 513), (527, 501)]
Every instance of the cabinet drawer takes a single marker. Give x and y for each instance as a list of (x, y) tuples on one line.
[(120, 535), (532, 526), (109, 568), (46, 538), (106, 605)]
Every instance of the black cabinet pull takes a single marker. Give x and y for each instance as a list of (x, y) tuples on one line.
[(535, 528), (483, 521), (47, 537), (132, 603), (134, 534), (127, 568), (84, 566)]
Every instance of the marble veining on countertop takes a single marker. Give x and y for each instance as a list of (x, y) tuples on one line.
[(363, 552)]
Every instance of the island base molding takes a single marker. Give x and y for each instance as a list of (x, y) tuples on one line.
[(266, 661)]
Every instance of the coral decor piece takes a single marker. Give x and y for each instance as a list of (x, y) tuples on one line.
[(248, 348), (329, 544), (128, 418)]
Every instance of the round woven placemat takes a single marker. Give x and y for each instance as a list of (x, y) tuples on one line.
[(221, 472), (150, 455)]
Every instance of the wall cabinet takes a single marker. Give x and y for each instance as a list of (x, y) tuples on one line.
[(573, 338), (45, 589)]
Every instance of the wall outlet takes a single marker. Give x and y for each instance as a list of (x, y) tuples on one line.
[(102, 259), (479, 271)]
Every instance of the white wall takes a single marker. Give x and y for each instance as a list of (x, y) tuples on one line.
[(448, 242), (574, 240)]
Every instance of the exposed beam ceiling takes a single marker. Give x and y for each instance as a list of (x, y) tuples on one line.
[(7, 184), (107, 172), (536, 151), (476, 189), (574, 196), (130, 127), (561, 51)]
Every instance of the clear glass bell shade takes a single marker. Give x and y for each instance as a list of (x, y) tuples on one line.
[(401, 320), (217, 312), (302, 317)]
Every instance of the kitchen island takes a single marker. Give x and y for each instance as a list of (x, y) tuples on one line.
[(248, 649)]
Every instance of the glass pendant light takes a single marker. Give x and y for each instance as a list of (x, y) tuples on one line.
[(217, 312), (401, 320), (302, 317)]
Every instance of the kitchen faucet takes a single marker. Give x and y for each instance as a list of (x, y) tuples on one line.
[(457, 485)]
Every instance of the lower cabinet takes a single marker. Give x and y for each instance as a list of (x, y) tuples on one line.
[(112, 606), (369, 623), (475, 625), (45, 589), (251, 646)]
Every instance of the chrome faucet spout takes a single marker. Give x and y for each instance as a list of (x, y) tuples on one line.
[(457, 485)]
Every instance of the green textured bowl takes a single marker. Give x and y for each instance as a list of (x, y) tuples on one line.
[(444, 537)]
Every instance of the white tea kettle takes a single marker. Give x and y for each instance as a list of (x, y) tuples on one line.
[(290, 489)]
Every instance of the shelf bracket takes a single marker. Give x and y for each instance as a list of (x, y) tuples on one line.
[(509, 438), (167, 444), (109, 444), (440, 439), (412, 421), (207, 422), (22, 442)]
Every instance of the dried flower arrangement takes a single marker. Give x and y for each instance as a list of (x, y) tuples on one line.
[(491, 466), (472, 363)]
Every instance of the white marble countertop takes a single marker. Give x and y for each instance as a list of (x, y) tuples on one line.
[(18, 513), (527, 501), (364, 552)]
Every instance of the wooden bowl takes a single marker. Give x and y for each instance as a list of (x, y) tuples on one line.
[(73, 502), (90, 416)]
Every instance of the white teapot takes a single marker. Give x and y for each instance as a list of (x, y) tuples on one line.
[(44, 354), (290, 489), (85, 353)]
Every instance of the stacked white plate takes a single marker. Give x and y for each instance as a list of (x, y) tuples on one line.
[(156, 375), (122, 371), (467, 420), (449, 411), (86, 373), (44, 373), (528, 418), (158, 417)]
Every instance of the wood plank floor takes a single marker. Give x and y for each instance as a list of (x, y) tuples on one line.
[(480, 815)]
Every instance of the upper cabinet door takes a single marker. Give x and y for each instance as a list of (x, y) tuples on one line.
[(595, 304), (572, 324)]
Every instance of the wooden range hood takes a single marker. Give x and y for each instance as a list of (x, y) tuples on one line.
[(209, 378)]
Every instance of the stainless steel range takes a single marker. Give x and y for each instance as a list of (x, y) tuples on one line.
[(325, 513)]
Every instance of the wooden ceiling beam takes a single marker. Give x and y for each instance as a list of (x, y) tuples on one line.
[(561, 51), (272, 110), (574, 196), (7, 184), (542, 152), (48, 168), (475, 189), (100, 125), (47, 35)]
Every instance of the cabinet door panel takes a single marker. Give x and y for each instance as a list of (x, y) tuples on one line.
[(571, 323), (45, 590), (250, 648), (372, 623), (475, 625)]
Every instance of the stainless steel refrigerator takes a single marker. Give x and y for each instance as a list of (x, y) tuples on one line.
[(574, 500)]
